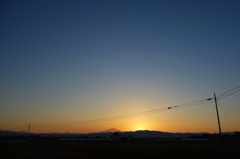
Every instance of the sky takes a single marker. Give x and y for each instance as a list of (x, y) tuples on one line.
[(64, 64)]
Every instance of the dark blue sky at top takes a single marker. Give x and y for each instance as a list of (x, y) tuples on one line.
[(72, 46)]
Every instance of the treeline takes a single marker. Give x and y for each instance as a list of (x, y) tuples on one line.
[(115, 136), (225, 136), (26, 138)]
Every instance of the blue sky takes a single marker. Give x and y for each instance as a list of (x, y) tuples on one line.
[(62, 57)]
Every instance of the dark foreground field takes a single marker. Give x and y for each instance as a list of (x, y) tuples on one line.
[(118, 150)]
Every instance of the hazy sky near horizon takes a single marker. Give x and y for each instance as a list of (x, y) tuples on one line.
[(72, 61)]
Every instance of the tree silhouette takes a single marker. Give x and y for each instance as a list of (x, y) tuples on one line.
[(115, 135)]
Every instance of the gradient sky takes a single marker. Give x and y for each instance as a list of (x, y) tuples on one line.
[(72, 61)]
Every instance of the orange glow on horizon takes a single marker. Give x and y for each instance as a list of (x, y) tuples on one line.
[(138, 126)]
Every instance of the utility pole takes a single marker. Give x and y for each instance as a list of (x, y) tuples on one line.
[(219, 127), (28, 129)]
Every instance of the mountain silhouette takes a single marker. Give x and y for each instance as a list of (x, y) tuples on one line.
[(111, 130)]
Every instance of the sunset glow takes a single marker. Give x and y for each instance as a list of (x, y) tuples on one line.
[(88, 66)]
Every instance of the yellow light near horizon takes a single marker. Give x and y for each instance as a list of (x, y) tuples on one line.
[(140, 125), (140, 128)]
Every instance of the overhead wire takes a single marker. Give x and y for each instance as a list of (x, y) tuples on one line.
[(229, 94), (128, 115), (223, 95), (225, 116), (228, 91)]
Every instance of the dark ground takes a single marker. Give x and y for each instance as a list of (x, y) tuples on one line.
[(118, 150)]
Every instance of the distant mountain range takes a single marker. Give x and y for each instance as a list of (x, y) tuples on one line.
[(112, 130), (108, 133)]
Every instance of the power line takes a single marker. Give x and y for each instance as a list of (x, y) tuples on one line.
[(228, 91), (225, 116), (144, 112), (129, 115), (229, 94)]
